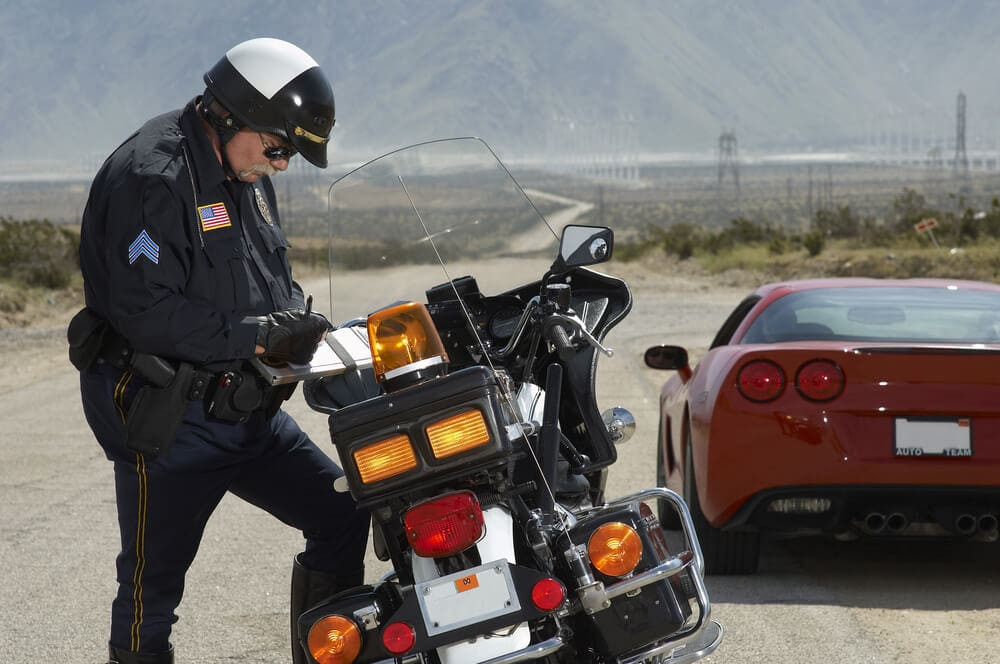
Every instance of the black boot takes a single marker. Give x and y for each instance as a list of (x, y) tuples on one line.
[(309, 588), (119, 656)]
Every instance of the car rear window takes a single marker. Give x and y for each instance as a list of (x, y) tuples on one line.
[(919, 314)]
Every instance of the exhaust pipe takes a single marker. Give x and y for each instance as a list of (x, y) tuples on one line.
[(875, 522), (987, 526), (965, 524), (897, 522)]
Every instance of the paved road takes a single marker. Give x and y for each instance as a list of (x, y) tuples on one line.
[(812, 602)]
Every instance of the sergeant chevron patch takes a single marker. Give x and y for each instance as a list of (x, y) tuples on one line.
[(143, 245)]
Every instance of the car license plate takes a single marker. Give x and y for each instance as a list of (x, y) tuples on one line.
[(467, 597), (935, 437)]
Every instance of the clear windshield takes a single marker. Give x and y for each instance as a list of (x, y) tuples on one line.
[(422, 215)]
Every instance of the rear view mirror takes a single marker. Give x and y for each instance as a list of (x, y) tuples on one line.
[(583, 245), (666, 357)]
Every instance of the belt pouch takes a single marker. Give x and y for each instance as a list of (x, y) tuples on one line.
[(156, 412), (235, 397), (86, 336)]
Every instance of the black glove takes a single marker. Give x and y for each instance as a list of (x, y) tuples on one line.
[(291, 335)]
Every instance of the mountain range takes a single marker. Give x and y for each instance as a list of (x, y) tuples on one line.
[(530, 76)]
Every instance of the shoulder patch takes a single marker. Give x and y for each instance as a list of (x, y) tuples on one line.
[(143, 245), (213, 216)]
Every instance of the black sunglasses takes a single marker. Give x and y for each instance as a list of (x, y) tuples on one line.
[(276, 152)]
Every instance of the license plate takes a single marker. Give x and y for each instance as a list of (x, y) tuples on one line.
[(467, 597), (916, 437)]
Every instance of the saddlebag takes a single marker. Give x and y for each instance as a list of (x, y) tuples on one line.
[(654, 612)]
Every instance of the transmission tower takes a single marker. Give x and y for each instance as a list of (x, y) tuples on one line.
[(961, 164), (728, 159)]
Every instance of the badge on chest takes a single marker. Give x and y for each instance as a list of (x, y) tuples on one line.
[(262, 207)]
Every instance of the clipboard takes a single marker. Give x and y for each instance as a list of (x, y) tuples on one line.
[(344, 349)]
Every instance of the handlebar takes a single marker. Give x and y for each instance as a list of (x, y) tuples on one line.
[(557, 335)]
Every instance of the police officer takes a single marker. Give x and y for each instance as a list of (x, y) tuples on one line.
[(186, 279)]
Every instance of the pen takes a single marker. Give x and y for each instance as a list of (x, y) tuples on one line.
[(309, 305)]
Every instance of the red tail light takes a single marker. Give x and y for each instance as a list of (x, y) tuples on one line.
[(548, 594), (445, 525), (820, 380), (761, 380), (398, 637)]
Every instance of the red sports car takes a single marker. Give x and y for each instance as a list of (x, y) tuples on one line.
[(841, 406)]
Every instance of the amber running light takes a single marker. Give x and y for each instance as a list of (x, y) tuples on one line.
[(445, 525), (615, 549), (334, 640), (761, 380), (385, 458), (457, 433)]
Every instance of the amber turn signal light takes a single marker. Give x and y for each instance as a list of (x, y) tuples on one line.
[(334, 640), (403, 339), (615, 549), (384, 459), (458, 433)]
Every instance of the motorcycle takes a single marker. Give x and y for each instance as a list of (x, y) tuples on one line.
[(465, 418)]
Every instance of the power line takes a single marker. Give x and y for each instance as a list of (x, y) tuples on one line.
[(961, 164), (728, 160)]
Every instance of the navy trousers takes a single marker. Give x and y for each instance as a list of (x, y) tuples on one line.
[(165, 502)]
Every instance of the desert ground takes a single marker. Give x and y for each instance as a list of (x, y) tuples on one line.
[(813, 601)]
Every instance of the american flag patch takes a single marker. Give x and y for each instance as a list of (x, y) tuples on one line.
[(214, 216)]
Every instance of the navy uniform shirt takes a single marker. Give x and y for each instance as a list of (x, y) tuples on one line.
[(173, 255)]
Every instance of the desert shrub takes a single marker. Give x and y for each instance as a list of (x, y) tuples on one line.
[(682, 239), (814, 242), (37, 253), (839, 222)]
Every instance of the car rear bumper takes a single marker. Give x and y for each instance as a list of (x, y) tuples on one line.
[(894, 511)]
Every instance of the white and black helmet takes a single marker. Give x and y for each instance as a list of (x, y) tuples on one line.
[(272, 86)]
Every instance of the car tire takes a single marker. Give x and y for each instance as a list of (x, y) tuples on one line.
[(669, 519), (725, 552)]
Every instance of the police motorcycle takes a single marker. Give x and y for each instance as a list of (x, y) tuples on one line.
[(465, 418)]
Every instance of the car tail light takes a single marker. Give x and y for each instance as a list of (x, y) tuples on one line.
[(385, 458), (457, 434), (614, 549), (548, 594), (761, 380), (820, 380), (334, 639), (398, 637), (445, 525)]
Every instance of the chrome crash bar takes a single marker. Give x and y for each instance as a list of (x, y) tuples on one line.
[(687, 645), (595, 597)]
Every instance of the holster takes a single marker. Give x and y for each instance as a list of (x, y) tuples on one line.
[(156, 412)]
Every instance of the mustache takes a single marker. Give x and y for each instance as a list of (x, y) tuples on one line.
[(259, 169)]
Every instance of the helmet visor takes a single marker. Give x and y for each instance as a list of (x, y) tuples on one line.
[(310, 145)]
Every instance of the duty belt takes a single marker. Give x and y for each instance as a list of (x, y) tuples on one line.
[(154, 369)]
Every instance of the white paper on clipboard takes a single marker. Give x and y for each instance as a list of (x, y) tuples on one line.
[(343, 349)]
